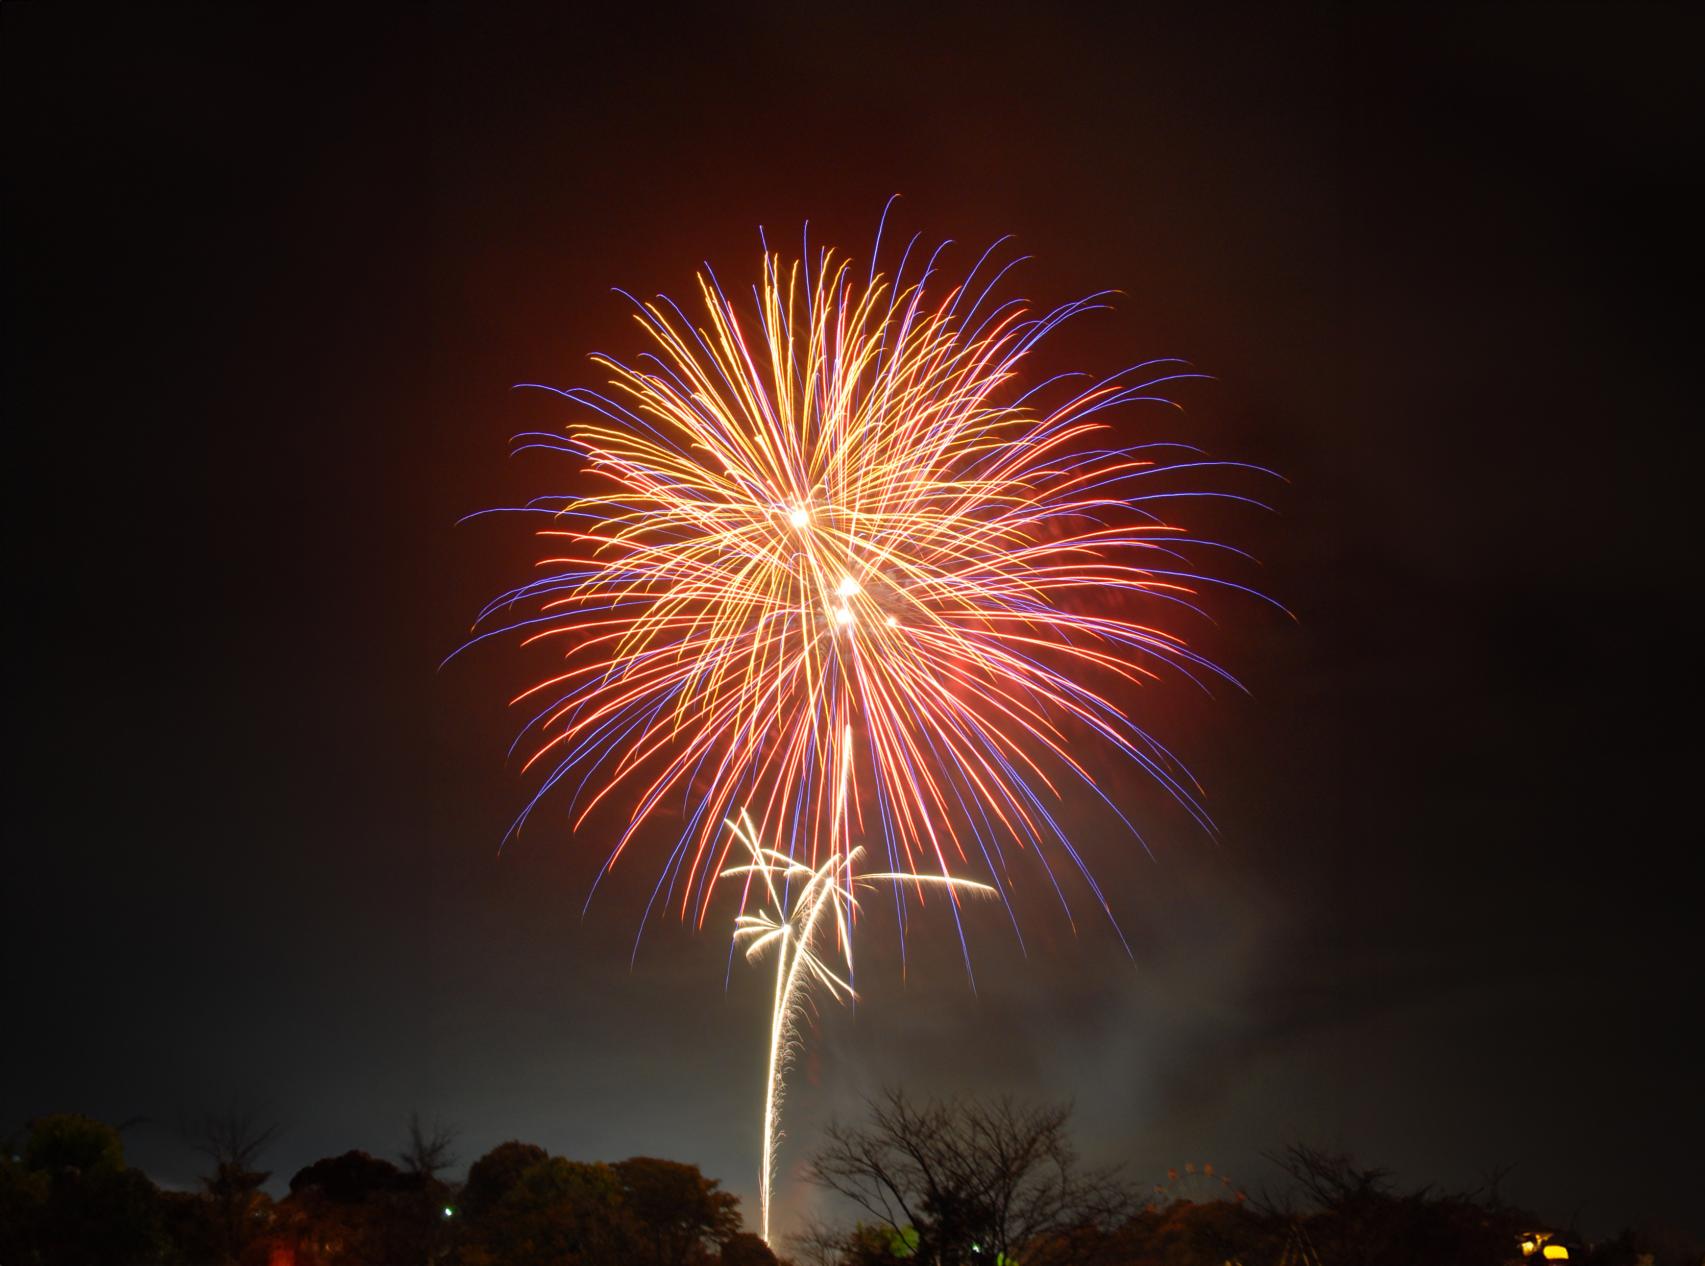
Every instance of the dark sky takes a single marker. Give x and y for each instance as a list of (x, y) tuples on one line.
[(270, 276)]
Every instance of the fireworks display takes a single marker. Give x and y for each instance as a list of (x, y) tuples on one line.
[(843, 532), (849, 574)]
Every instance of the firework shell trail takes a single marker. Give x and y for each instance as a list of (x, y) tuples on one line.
[(800, 908)]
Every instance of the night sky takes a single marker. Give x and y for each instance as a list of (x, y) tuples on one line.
[(270, 278)]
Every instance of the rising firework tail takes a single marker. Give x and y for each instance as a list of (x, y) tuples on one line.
[(799, 909)]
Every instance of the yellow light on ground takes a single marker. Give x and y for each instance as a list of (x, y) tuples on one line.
[(1555, 1253)]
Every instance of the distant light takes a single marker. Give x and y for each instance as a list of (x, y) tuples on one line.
[(799, 516), (848, 587), (1555, 1253), (449, 1212), (893, 621)]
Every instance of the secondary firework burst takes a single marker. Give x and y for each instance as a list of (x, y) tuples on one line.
[(851, 574), (801, 909)]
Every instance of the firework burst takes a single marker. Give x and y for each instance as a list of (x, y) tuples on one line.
[(802, 908), (852, 575), (842, 532)]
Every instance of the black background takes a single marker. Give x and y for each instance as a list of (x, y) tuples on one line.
[(270, 276)]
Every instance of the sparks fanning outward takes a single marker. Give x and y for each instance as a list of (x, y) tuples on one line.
[(850, 573), (849, 569)]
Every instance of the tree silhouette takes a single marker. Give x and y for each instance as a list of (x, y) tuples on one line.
[(498, 1172), (429, 1150), (233, 1141), (680, 1211), (971, 1180)]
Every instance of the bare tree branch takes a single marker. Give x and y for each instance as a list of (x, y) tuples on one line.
[(972, 1177), (233, 1139), (429, 1150)]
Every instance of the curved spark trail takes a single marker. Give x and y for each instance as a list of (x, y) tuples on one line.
[(823, 899)]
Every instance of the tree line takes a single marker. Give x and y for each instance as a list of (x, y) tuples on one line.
[(67, 1198), (966, 1182)]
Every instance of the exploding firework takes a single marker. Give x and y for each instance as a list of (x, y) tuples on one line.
[(850, 573)]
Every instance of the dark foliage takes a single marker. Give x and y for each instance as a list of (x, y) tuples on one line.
[(348, 1179), (962, 1183), (68, 1199), (682, 1212), (497, 1173)]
